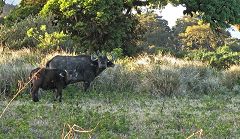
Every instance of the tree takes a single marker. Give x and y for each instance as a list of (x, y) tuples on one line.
[(198, 37), (155, 32), (183, 23), (32, 2), (97, 25), (26, 8), (193, 33), (219, 13), (2, 3), (109, 24)]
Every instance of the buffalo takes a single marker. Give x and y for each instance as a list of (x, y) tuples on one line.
[(49, 79), (87, 66)]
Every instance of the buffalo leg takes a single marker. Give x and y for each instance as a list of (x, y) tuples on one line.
[(56, 95), (34, 93), (59, 94), (86, 85)]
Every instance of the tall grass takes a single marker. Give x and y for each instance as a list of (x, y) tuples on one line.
[(14, 68), (231, 78), (165, 75), (154, 74)]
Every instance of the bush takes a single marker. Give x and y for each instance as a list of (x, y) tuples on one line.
[(50, 41), (198, 79), (20, 13), (102, 25), (222, 58), (231, 77), (15, 37), (120, 78), (159, 81)]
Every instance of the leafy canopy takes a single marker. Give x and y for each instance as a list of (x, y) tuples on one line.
[(98, 24), (219, 13)]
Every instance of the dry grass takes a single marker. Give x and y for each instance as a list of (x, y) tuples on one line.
[(15, 67), (157, 74), (117, 95), (154, 74), (21, 87), (231, 77)]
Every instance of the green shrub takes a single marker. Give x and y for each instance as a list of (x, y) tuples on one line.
[(101, 25), (222, 58), (50, 41), (20, 13), (15, 37)]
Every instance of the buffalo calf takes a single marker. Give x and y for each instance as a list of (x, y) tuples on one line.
[(49, 79)]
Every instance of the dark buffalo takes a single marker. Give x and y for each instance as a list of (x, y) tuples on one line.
[(86, 66), (49, 79)]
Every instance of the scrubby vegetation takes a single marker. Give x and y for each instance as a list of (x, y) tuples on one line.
[(147, 96)]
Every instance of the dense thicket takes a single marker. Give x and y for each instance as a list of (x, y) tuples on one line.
[(123, 27)]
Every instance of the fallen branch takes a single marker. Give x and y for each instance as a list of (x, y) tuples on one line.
[(200, 132), (76, 129)]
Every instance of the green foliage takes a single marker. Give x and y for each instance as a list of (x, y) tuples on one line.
[(2, 3), (154, 33), (32, 2), (15, 37), (98, 25), (199, 37), (193, 34), (117, 53), (222, 58), (217, 13), (183, 23), (20, 13), (25, 9), (50, 41), (233, 43)]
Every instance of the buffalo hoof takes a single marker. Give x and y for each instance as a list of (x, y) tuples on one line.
[(60, 100), (35, 100)]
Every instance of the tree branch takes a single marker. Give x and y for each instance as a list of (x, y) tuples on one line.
[(135, 3)]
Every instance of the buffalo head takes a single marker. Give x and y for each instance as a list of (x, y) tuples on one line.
[(69, 75), (101, 61)]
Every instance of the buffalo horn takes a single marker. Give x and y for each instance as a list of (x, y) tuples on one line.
[(61, 74), (93, 58)]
